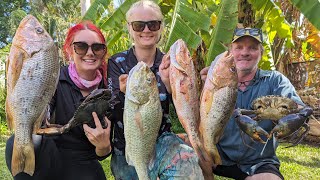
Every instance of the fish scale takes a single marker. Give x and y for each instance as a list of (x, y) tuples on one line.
[(33, 71), (217, 103), (142, 119), (183, 82)]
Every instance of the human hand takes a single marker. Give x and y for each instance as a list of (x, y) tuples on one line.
[(98, 136), (123, 82), (164, 70), (204, 73)]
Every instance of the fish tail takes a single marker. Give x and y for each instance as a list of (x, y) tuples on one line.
[(23, 159)]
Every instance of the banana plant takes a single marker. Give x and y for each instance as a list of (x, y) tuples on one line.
[(183, 20), (310, 9)]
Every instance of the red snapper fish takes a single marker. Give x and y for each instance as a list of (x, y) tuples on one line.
[(183, 82), (32, 73), (217, 103)]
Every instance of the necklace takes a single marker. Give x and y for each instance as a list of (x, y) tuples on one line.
[(245, 83)]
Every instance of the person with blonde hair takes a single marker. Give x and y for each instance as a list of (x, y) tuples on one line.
[(174, 159)]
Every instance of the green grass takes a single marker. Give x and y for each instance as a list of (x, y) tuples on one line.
[(300, 162)]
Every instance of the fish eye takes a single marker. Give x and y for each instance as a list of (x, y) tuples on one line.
[(39, 30), (233, 69)]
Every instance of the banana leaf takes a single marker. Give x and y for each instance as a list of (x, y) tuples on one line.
[(93, 13), (184, 25), (310, 9), (117, 19), (223, 31)]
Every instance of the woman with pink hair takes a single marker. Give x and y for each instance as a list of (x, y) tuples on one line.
[(75, 154)]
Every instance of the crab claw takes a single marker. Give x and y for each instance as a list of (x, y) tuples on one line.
[(288, 125), (291, 123), (249, 126)]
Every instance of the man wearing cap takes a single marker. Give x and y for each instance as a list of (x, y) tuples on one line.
[(241, 156)]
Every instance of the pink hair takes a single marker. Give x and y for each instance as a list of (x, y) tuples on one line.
[(69, 39)]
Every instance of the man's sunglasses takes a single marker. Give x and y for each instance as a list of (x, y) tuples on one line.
[(248, 31), (81, 48), (139, 26)]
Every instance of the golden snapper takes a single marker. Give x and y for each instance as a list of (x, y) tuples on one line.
[(142, 118), (32, 74), (217, 103)]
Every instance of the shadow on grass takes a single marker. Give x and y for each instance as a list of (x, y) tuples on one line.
[(314, 162)]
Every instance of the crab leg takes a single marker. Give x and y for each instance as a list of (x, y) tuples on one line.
[(249, 126), (302, 136)]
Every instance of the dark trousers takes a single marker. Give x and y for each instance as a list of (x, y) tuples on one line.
[(46, 156), (53, 163)]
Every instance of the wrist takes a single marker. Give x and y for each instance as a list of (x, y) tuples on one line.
[(103, 151)]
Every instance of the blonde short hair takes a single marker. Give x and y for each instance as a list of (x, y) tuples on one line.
[(145, 3)]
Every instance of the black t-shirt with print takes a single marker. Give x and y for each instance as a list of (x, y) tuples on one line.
[(122, 63)]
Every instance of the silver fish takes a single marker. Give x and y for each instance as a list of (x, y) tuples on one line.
[(142, 118)]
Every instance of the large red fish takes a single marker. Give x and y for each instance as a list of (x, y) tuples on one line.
[(217, 103), (32, 73), (183, 82)]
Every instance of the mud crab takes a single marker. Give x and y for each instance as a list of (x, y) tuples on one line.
[(100, 101), (284, 112)]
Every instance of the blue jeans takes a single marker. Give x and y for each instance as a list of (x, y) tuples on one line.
[(174, 160)]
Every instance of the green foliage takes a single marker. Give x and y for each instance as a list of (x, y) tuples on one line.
[(112, 22), (96, 10), (182, 25), (223, 31), (176, 125), (310, 9), (274, 20), (6, 7)]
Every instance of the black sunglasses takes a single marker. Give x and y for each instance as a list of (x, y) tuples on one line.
[(139, 26), (81, 48)]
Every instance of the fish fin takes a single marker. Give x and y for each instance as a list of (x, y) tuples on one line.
[(202, 154), (14, 66), (129, 161), (216, 156), (45, 114), (152, 159), (206, 100), (23, 159), (138, 120)]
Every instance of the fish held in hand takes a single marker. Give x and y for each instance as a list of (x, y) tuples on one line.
[(183, 82), (142, 118), (32, 76), (217, 103)]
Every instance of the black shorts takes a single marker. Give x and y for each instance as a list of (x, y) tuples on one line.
[(235, 172)]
